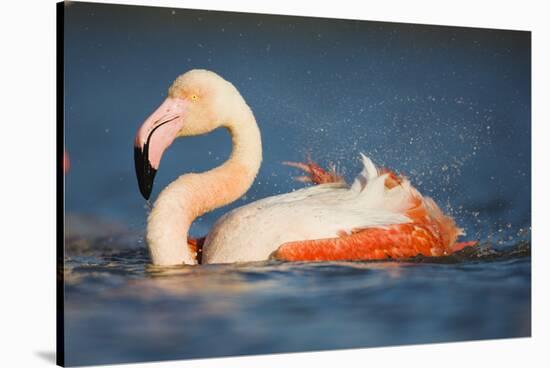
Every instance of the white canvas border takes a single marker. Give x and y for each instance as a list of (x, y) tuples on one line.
[(27, 181)]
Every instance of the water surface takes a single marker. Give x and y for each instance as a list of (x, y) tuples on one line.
[(129, 311)]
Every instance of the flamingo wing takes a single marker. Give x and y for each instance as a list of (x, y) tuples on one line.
[(391, 242), (395, 241), (428, 232)]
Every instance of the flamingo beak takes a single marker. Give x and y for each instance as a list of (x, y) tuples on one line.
[(153, 137)]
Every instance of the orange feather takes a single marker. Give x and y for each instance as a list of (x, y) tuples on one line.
[(430, 233)]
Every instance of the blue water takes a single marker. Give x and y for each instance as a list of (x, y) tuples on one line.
[(449, 107)]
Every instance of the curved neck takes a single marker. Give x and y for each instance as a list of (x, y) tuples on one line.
[(193, 195)]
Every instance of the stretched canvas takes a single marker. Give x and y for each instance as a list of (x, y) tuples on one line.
[(237, 184)]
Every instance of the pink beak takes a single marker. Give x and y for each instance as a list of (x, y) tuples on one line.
[(153, 137)]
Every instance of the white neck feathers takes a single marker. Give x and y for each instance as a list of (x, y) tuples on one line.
[(192, 195)]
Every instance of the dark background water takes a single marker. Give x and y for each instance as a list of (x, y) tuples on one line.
[(450, 107)]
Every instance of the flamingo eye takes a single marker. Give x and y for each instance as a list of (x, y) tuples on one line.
[(194, 98)]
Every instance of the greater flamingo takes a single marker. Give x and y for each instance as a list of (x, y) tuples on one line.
[(381, 215)]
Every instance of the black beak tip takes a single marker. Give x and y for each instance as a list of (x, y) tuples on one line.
[(145, 190), (144, 171)]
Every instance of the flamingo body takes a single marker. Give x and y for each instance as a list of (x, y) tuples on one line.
[(380, 216)]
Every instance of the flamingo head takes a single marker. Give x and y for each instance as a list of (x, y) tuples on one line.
[(198, 102)]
